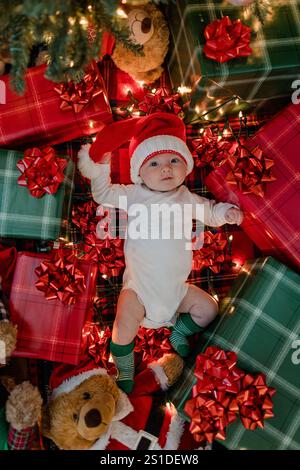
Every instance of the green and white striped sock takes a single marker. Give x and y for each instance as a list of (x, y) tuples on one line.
[(123, 357), (184, 326)]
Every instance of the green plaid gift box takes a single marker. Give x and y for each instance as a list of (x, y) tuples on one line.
[(260, 321), (263, 79), (24, 216)]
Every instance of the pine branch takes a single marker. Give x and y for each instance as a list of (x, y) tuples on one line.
[(63, 26)]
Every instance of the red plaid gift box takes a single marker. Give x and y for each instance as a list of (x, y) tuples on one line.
[(47, 329), (36, 117), (271, 221), (118, 83)]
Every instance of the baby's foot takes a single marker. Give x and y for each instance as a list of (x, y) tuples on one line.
[(125, 384), (180, 343), (123, 357)]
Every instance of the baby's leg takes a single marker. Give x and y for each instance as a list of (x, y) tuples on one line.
[(201, 309), (130, 313)]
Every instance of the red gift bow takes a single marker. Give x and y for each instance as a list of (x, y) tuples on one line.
[(255, 401), (209, 416), (107, 253), (96, 342), (227, 39), (85, 218), (42, 171), (160, 100), (212, 255), (59, 277), (76, 96), (211, 149), (152, 343), (221, 392), (213, 406), (250, 170)]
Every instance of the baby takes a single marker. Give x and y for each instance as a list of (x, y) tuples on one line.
[(155, 292)]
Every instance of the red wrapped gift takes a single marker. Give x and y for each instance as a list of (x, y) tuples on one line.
[(271, 221), (118, 83), (48, 329), (46, 117)]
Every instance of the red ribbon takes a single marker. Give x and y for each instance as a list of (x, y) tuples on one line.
[(107, 253), (250, 170), (42, 171), (211, 149), (152, 344), (76, 96), (85, 218), (255, 401), (160, 100), (222, 392), (227, 39), (212, 255), (59, 278), (96, 342)]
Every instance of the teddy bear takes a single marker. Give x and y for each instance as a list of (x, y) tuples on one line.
[(20, 405), (87, 410), (148, 28)]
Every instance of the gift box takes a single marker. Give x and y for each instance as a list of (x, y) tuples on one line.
[(44, 118), (118, 83), (263, 79), (259, 320), (271, 221), (25, 216), (49, 329)]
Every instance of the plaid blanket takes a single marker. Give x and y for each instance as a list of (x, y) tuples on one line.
[(260, 322)]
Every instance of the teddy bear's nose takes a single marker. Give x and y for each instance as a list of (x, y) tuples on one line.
[(146, 25), (92, 418)]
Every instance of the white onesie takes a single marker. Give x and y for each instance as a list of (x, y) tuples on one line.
[(157, 268)]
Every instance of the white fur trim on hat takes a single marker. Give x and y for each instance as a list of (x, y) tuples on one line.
[(158, 143), (70, 384), (160, 375)]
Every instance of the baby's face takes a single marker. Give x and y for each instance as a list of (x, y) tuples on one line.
[(164, 172)]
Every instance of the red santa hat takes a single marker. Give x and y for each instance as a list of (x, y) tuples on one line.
[(149, 136)]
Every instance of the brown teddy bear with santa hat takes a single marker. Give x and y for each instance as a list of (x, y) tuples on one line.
[(88, 410)]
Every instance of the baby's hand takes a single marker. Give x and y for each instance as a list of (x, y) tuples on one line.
[(234, 216), (106, 157)]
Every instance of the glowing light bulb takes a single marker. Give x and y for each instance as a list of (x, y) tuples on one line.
[(121, 13), (230, 238), (84, 22), (104, 276), (197, 109), (91, 124), (184, 89), (240, 114)]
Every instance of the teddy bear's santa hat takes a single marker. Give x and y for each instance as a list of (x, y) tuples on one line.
[(65, 379), (149, 136)]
